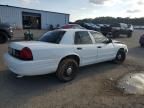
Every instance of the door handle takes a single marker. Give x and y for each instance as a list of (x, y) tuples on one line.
[(79, 48), (99, 47)]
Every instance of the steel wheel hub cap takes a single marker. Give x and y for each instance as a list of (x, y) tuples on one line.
[(69, 71)]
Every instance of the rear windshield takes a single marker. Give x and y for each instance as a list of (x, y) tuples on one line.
[(52, 37)]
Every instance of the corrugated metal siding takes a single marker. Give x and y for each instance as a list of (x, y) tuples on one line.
[(13, 16)]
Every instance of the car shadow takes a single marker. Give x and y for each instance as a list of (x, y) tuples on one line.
[(28, 87), (96, 69)]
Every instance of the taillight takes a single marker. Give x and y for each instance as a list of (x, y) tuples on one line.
[(26, 54)]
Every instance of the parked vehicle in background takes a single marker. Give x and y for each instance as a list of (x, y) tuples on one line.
[(63, 51), (91, 26), (6, 32), (131, 27), (106, 30), (118, 29), (141, 41), (139, 27), (72, 26)]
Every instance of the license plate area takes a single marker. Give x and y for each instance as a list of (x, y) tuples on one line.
[(13, 52)]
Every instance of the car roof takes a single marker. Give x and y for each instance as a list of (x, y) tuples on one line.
[(75, 30)]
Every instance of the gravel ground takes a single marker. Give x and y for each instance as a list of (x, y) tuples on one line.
[(94, 87)]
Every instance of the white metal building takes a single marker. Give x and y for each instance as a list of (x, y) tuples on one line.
[(23, 18)]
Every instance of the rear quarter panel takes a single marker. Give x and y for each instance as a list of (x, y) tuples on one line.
[(54, 53)]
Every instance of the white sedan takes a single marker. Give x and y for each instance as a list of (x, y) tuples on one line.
[(63, 51)]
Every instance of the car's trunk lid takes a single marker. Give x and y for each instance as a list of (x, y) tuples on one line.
[(35, 47), (29, 44)]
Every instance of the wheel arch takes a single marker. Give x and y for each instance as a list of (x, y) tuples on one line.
[(72, 56), (121, 49)]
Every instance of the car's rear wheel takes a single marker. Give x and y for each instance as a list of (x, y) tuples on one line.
[(67, 70), (3, 37), (120, 57)]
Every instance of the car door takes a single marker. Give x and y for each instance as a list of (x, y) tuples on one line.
[(106, 49), (85, 47)]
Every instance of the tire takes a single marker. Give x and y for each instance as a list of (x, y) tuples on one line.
[(120, 57), (67, 70), (129, 35), (3, 37)]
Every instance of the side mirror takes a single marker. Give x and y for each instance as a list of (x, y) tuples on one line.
[(108, 41)]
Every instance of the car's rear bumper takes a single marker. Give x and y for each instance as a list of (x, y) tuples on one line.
[(29, 68)]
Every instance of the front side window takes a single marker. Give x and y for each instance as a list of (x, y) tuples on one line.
[(99, 38), (82, 37), (52, 37)]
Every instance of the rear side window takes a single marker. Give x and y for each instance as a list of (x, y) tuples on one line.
[(52, 37), (82, 37)]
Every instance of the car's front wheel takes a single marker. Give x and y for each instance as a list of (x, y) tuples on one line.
[(67, 70), (129, 34), (120, 57)]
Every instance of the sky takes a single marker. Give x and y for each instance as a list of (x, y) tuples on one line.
[(80, 9)]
